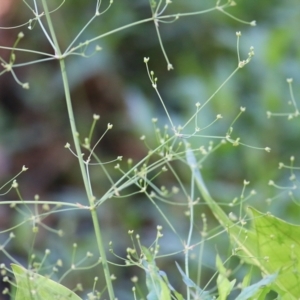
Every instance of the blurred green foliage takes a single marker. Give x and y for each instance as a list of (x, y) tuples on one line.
[(114, 84)]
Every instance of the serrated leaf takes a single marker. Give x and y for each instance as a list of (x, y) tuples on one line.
[(278, 245), (32, 286), (272, 245)]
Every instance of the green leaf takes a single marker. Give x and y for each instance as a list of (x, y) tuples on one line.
[(204, 295), (176, 294), (278, 245), (254, 289), (247, 279), (224, 285), (156, 280), (32, 286), (262, 293), (272, 244)]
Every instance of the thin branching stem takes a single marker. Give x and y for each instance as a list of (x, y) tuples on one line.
[(90, 197)]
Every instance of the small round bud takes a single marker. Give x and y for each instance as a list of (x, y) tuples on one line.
[(232, 216), (59, 263), (15, 184), (89, 254), (170, 67)]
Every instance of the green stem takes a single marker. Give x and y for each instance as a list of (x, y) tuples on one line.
[(79, 155), (188, 243)]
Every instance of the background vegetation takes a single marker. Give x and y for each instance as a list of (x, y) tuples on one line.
[(114, 84)]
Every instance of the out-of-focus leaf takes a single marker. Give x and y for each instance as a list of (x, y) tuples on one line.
[(191, 284), (156, 280), (272, 245), (253, 289), (165, 278), (247, 279), (32, 286), (278, 246), (224, 285)]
